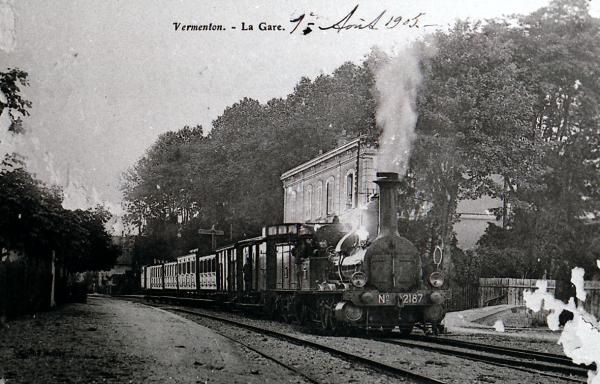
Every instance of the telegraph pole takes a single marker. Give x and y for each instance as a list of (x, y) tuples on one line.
[(213, 232)]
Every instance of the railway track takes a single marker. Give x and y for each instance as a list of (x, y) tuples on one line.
[(507, 351), (544, 364), (538, 363), (368, 363), (280, 362)]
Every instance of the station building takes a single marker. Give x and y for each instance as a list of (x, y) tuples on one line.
[(340, 182)]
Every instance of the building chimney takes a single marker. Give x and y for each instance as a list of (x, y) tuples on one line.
[(388, 222)]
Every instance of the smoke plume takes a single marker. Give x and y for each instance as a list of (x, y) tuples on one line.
[(397, 80)]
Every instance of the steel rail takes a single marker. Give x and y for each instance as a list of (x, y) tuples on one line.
[(520, 365), (268, 357), (372, 364), (508, 351)]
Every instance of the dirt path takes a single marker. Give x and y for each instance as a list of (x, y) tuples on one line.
[(113, 341)]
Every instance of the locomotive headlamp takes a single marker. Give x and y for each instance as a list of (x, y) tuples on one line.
[(346, 311), (436, 279), (437, 297), (367, 297), (358, 279)]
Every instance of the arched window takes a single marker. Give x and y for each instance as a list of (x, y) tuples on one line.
[(350, 190), (292, 205), (329, 187), (299, 204), (318, 201), (308, 196)]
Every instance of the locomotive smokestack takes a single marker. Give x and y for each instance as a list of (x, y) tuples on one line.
[(388, 183)]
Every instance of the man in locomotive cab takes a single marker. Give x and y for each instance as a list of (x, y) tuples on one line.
[(329, 234)]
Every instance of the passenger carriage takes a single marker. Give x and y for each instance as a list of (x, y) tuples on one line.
[(186, 272), (207, 271), (155, 273), (170, 272)]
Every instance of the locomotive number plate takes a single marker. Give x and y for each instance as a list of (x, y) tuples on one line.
[(400, 298), (384, 298), (410, 298)]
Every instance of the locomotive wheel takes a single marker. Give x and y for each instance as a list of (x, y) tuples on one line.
[(324, 318), (302, 313), (333, 324), (405, 329), (327, 321)]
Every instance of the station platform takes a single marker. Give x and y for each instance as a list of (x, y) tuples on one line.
[(118, 341), (516, 321)]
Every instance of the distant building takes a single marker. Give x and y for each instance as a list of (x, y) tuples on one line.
[(339, 183), (107, 280), (332, 184)]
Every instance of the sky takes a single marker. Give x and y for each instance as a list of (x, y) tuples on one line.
[(107, 77)]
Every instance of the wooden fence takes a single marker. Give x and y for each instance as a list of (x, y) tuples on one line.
[(24, 286), (495, 291), (592, 300), (464, 297)]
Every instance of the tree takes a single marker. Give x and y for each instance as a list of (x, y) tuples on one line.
[(558, 45), (10, 87), (234, 171), (32, 219), (474, 124)]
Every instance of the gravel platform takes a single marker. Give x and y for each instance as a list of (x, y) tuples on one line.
[(116, 341)]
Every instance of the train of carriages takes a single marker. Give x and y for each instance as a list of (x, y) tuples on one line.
[(318, 274)]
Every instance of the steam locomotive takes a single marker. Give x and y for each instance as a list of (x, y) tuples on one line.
[(318, 274)]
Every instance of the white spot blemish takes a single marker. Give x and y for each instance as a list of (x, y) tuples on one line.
[(499, 326), (577, 280), (581, 336)]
